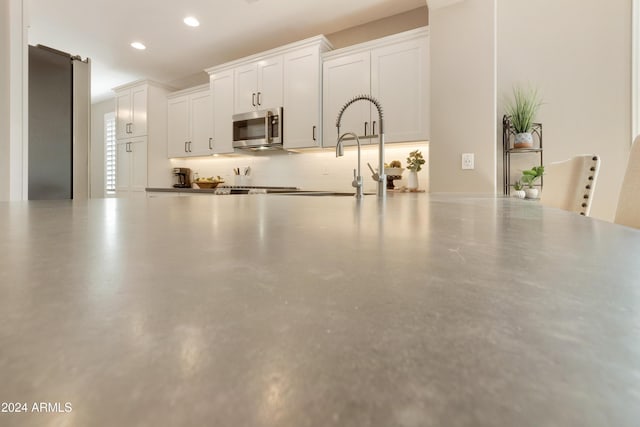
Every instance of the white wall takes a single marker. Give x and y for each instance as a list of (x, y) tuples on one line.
[(382, 27), (463, 96), (98, 110), (578, 53), (4, 101), (13, 101)]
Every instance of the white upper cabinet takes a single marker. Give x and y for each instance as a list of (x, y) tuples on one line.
[(189, 124), (221, 84), (345, 77), (288, 77), (201, 124), (399, 80), (395, 71), (302, 115), (131, 112), (178, 126), (258, 85)]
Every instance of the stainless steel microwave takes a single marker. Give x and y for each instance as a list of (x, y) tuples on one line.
[(258, 130)]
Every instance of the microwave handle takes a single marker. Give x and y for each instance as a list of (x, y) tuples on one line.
[(267, 127)]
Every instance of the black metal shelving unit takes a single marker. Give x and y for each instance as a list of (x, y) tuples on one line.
[(508, 136)]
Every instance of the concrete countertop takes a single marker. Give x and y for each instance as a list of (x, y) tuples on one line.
[(425, 310)]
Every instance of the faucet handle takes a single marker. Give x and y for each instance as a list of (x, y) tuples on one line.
[(357, 180), (375, 176)]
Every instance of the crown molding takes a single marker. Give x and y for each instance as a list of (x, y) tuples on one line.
[(438, 4)]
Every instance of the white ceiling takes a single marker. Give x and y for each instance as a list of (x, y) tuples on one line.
[(229, 29)]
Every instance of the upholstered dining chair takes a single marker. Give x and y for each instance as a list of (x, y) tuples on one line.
[(570, 184), (628, 211)]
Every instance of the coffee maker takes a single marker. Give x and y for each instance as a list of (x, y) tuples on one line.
[(181, 178)]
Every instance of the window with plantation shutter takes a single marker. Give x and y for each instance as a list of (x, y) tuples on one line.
[(110, 152)]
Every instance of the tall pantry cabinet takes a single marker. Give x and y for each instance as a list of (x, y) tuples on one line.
[(141, 118)]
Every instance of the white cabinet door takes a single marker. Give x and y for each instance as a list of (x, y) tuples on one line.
[(246, 83), (201, 124), (258, 85), (302, 98), (178, 126), (138, 161), (131, 112), (123, 114), (123, 167), (222, 92), (343, 78), (269, 93), (138, 111), (399, 80), (131, 166)]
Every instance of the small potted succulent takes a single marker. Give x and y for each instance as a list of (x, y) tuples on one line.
[(522, 111), (414, 165), (518, 190), (529, 177)]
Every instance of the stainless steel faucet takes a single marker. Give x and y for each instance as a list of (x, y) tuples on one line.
[(380, 177), (357, 178)]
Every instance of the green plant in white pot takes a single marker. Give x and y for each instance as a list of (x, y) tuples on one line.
[(529, 177), (518, 190), (522, 111), (414, 165)]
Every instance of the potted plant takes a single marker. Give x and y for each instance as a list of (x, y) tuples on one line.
[(522, 111), (529, 177), (414, 165), (393, 171), (518, 190)]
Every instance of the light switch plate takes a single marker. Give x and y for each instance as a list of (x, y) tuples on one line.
[(467, 161)]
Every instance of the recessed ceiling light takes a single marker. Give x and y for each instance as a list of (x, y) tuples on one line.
[(191, 21), (138, 45)]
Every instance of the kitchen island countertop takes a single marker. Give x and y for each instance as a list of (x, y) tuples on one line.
[(423, 310)]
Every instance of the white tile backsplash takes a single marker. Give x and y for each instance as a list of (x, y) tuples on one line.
[(313, 170)]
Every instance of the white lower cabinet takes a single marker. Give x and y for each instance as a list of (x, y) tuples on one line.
[(131, 177)]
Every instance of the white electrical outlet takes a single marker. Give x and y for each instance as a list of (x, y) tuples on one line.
[(467, 161)]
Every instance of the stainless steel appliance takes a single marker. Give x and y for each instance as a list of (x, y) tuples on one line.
[(59, 116), (182, 178), (258, 130)]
